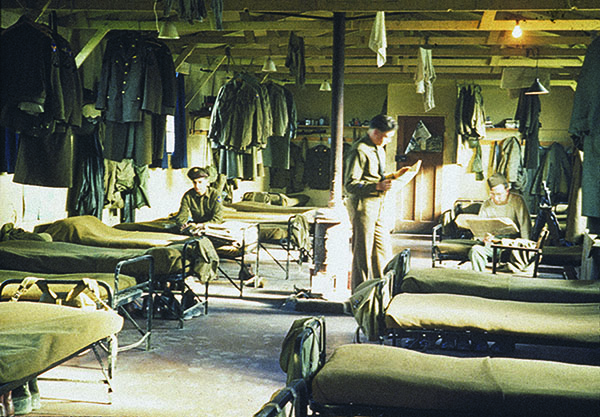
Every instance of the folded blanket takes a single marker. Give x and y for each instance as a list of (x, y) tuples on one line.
[(89, 230)]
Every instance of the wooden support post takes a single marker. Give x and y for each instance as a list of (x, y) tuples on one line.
[(337, 108)]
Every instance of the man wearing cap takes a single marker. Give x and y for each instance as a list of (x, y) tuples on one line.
[(366, 185), (201, 204), (502, 203)]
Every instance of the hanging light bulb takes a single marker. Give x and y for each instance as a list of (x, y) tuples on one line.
[(517, 32), (537, 88), (269, 65), (325, 86), (168, 30)]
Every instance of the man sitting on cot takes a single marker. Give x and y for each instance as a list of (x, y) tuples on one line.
[(199, 205), (501, 204)]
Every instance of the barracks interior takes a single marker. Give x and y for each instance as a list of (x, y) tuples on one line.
[(309, 208)]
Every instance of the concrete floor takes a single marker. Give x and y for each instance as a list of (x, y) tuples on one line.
[(221, 364)]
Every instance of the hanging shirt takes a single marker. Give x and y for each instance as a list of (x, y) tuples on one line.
[(295, 58), (425, 77)]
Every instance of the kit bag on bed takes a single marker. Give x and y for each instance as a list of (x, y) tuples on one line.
[(290, 361), (300, 232), (84, 294)]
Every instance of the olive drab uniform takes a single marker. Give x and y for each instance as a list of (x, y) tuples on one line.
[(365, 168), (207, 208)]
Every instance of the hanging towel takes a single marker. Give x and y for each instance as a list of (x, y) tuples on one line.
[(424, 78), (378, 41)]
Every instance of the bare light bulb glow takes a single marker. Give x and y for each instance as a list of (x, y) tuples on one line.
[(517, 32)]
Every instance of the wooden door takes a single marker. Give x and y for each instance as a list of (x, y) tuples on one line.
[(419, 202)]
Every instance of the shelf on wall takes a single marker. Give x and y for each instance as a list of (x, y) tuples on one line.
[(309, 131), (329, 127)]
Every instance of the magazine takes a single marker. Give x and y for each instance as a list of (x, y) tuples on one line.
[(498, 226)]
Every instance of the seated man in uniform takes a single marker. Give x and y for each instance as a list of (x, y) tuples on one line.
[(199, 205), (502, 203)]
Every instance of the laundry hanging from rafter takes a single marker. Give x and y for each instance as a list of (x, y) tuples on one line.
[(424, 77), (378, 40)]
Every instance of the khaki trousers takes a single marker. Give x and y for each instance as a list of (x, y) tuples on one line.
[(370, 242)]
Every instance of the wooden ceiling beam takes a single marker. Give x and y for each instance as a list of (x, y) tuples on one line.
[(303, 6), (318, 25), (474, 25), (400, 51)]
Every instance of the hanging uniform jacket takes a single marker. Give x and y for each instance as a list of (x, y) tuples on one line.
[(277, 151), (528, 115), (555, 169), (469, 117), (130, 80), (41, 98), (241, 117), (511, 164), (295, 58), (86, 197), (291, 179), (585, 127), (136, 91), (317, 169)]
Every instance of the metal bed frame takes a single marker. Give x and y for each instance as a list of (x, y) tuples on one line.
[(245, 249), (424, 339), (115, 300), (286, 244), (176, 284), (296, 398)]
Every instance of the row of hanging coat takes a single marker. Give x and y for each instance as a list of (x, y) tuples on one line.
[(248, 116), (41, 100), (585, 130), (136, 92)]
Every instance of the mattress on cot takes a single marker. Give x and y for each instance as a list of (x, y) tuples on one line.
[(557, 322), (501, 287), (258, 207), (551, 255), (226, 237), (455, 247), (562, 255), (36, 336), (125, 281), (271, 214), (68, 258), (89, 230), (385, 376)]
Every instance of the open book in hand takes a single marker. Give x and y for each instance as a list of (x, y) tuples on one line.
[(498, 226), (405, 174)]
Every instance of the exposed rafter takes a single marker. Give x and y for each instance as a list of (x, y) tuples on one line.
[(470, 38)]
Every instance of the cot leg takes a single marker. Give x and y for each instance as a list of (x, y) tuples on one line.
[(206, 298)]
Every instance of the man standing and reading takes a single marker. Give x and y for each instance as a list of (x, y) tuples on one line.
[(502, 203), (365, 183)]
